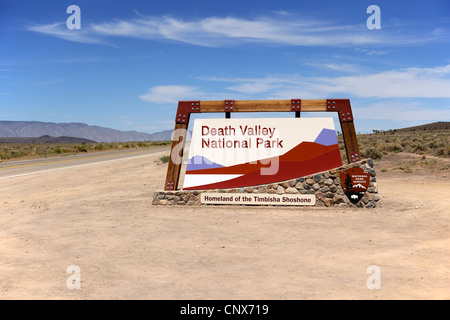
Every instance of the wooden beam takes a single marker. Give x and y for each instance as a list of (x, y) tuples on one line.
[(264, 105), (248, 106), (176, 157), (314, 105), (212, 106)]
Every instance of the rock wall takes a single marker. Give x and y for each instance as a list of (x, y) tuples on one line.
[(325, 185)]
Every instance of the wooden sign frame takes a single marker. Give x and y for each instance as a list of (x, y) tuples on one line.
[(185, 108)]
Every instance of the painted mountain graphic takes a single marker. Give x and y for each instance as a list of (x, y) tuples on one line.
[(327, 137), (359, 186), (304, 159), (200, 163)]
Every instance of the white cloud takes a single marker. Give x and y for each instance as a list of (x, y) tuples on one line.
[(171, 94), (399, 83), (403, 83), (277, 29), (398, 89), (217, 31), (253, 87), (59, 30), (371, 52), (342, 67), (399, 111)]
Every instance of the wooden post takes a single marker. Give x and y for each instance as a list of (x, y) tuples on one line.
[(345, 114), (176, 156), (350, 141)]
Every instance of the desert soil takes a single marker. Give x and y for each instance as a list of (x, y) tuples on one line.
[(100, 218)]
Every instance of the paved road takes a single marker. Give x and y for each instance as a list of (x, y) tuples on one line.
[(27, 167)]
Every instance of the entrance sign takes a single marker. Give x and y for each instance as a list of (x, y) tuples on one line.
[(259, 199), (355, 181), (289, 161), (233, 153), (296, 106)]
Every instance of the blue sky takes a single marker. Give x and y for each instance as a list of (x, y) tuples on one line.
[(131, 61)]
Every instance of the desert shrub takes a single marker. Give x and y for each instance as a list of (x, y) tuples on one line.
[(4, 156), (372, 153), (443, 152), (419, 147), (164, 159), (161, 143), (81, 148), (435, 144), (429, 163), (406, 169), (393, 147), (17, 154), (99, 147)]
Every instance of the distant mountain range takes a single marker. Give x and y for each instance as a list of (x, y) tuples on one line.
[(441, 125), (65, 131), (36, 129), (44, 139)]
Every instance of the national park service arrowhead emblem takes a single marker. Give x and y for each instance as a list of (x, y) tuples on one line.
[(355, 182)]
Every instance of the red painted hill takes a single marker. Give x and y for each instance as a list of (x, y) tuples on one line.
[(304, 159)]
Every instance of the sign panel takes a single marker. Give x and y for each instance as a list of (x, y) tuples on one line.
[(259, 199), (232, 153), (355, 181)]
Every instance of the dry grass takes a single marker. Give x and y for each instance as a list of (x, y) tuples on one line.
[(427, 143), (34, 151), (162, 160), (408, 151)]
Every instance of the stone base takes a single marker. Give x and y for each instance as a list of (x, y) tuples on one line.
[(325, 185)]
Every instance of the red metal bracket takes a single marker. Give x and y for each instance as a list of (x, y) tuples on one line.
[(170, 185), (296, 105), (355, 157), (342, 107), (185, 108), (228, 106)]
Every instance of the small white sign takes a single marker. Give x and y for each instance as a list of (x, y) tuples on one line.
[(258, 199)]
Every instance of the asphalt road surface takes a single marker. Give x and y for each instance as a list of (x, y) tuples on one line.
[(13, 169)]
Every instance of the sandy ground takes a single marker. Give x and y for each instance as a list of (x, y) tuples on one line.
[(100, 218)]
